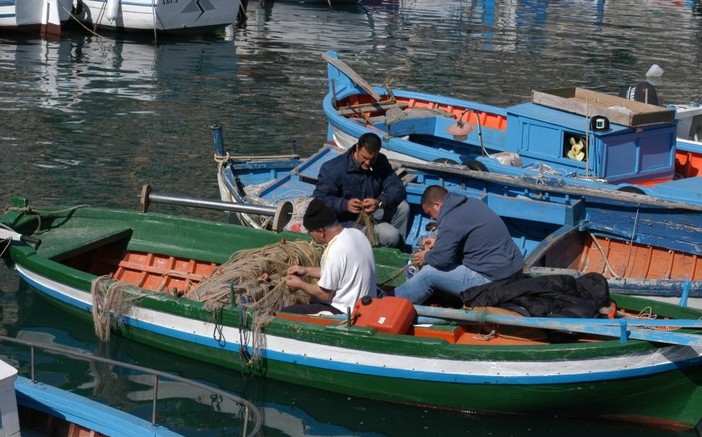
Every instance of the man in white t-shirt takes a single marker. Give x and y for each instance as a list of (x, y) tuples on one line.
[(347, 270)]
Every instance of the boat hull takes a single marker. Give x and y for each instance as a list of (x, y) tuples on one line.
[(590, 388), (631, 380), (35, 16), (164, 16), (525, 140)]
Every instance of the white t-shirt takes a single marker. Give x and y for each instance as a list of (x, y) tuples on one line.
[(348, 266)]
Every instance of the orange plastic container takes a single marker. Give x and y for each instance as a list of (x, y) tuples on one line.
[(390, 314)]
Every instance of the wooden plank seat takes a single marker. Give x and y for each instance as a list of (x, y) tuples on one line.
[(62, 244)]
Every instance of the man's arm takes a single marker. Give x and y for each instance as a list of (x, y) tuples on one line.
[(297, 283), (443, 254), (329, 189), (393, 190)]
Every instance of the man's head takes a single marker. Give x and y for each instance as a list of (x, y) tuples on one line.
[(366, 150), (432, 200), (318, 220)]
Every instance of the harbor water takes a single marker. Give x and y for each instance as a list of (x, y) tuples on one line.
[(92, 118)]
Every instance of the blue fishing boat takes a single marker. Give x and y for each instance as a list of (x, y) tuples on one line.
[(583, 137), (32, 407), (644, 245)]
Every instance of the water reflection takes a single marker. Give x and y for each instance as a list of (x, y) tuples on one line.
[(68, 72), (90, 121)]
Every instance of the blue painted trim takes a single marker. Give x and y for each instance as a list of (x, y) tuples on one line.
[(687, 286), (83, 411), (381, 371)]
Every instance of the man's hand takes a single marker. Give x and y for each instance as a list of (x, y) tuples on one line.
[(293, 282), (354, 206), (428, 243), (370, 205), (297, 271), (418, 257)]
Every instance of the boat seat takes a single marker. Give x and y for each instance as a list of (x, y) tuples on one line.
[(61, 244)]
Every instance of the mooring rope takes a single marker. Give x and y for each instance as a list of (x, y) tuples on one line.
[(45, 214), (109, 299)]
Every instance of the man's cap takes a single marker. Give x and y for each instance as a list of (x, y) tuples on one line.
[(318, 215)]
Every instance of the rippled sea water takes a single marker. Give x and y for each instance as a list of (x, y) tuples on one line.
[(90, 119)]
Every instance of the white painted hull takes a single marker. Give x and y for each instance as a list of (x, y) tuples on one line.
[(162, 15), (388, 365), (34, 14)]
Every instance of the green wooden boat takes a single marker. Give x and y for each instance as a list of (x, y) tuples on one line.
[(641, 370)]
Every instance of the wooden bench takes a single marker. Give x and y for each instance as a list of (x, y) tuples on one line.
[(62, 244)]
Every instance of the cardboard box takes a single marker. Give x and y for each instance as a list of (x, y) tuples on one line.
[(390, 314), (617, 109)]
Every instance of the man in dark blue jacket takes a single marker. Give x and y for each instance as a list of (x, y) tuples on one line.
[(472, 247), (362, 180)]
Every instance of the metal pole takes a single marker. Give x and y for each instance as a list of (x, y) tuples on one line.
[(147, 197)]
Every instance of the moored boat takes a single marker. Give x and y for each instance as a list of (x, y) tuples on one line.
[(32, 407), (44, 18), (626, 368), (165, 16), (573, 135), (644, 245)]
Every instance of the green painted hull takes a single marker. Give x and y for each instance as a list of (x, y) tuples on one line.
[(577, 379)]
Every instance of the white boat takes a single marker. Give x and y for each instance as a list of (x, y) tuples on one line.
[(169, 16), (37, 16), (689, 118)]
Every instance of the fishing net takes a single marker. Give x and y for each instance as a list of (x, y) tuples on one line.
[(251, 279), (365, 221), (256, 277), (109, 297)]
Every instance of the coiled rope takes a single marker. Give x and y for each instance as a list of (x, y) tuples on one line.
[(256, 277)]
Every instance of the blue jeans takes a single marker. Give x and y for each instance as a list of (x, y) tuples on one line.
[(428, 279)]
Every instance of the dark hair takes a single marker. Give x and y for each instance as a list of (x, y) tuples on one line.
[(433, 193), (370, 142)]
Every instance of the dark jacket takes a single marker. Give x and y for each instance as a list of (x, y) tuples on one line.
[(544, 296), (341, 179), (470, 233)]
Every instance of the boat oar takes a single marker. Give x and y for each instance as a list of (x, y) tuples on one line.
[(9, 234), (355, 77), (553, 185), (621, 328)]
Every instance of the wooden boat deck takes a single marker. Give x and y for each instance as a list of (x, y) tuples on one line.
[(150, 271), (363, 106)]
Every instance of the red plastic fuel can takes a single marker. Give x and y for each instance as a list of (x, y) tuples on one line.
[(390, 314)]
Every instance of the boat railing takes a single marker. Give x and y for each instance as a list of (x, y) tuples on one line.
[(251, 415)]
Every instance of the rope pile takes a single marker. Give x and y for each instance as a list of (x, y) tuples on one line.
[(253, 278), (256, 277), (109, 297)]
